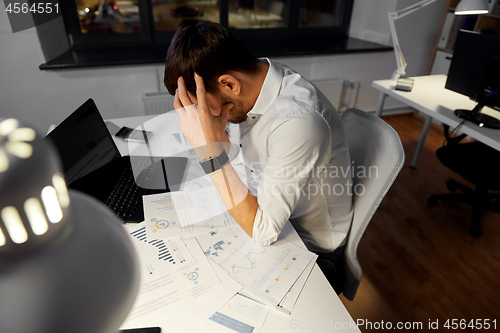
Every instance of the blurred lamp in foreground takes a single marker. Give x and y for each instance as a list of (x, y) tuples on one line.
[(66, 262)]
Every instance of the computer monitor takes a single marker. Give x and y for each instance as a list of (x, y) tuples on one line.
[(475, 72)]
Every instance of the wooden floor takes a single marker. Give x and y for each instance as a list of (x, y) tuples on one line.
[(419, 262)]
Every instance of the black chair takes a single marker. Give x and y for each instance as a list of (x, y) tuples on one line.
[(480, 165)]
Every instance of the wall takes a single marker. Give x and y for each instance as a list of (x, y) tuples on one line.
[(417, 33), (369, 20), (46, 97)]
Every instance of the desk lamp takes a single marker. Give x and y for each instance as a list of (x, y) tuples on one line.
[(66, 262), (465, 7), (402, 82), (471, 7)]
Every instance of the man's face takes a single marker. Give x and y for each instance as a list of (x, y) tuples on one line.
[(237, 114), (217, 100)]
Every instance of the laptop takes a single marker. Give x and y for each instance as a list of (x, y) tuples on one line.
[(92, 164)]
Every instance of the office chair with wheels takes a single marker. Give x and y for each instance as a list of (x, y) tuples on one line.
[(373, 145), (479, 164)]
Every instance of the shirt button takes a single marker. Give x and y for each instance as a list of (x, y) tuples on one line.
[(240, 145), (251, 170), (253, 117)]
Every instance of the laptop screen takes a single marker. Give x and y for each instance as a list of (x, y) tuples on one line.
[(83, 142)]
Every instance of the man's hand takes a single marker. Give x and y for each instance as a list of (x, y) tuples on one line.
[(204, 128), (199, 124)]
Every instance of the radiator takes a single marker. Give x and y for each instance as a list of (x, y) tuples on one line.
[(157, 102), (332, 89), (341, 93)]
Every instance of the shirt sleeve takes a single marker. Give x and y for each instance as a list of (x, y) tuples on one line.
[(296, 148)]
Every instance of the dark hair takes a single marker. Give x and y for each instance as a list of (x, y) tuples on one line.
[(208, 49)]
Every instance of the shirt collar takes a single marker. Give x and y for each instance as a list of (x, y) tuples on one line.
[(270, 88)]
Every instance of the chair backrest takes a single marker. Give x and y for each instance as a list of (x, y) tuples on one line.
[(377, 157)]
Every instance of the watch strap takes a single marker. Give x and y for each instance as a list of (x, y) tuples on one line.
[(214, 163)]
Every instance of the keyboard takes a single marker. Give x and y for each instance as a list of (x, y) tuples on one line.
[(126, 196)]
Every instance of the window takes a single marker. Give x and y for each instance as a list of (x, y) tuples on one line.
[(108, 23), (168, 15), (110, 33), (91, 23), (319, 13)]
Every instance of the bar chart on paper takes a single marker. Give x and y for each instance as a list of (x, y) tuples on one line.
[(163, 203), (171, 251)]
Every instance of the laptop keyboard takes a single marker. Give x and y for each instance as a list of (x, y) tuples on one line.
[(126, 196)]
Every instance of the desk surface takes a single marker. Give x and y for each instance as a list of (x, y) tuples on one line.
[(318, 306), (430, 97)]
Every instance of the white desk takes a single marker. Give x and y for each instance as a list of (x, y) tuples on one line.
[(430, 97), (318, 305)]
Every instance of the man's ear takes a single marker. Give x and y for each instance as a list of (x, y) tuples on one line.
[(229, 84)]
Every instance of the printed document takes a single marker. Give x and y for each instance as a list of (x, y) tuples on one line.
[(240, 315), (268, 272), (170, 288), (186, 213)]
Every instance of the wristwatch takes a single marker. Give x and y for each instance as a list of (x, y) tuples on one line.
[(214, 163)]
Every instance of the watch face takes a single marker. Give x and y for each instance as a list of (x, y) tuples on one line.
[(214, 163), (210, 165)]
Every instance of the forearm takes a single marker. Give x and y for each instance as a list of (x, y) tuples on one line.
[(238, 200), (205, 131)]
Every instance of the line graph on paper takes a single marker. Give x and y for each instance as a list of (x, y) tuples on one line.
[(241, 314), (250, 259), (252, 311), (268, 270)]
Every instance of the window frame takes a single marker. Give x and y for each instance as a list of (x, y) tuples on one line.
[(340, 30), (80, 41), (248, 37)]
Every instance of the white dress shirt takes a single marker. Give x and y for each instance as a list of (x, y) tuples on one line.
[(294, 146)]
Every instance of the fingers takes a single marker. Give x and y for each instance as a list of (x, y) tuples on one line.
[(179, 107), (193, 98), (201, 93), (224, 113), (177, 102), (197, 102), (182, 93)]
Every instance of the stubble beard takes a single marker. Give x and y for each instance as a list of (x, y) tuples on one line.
[(237, 113)]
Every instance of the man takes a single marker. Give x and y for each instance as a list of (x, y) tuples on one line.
[(291, 138)]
